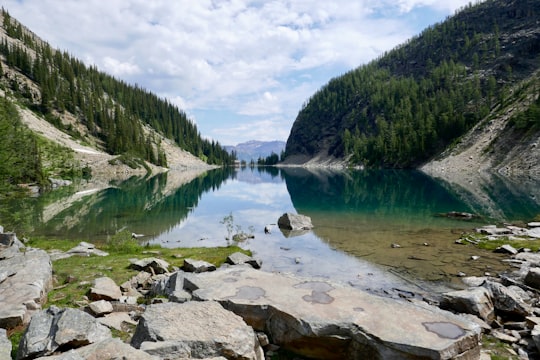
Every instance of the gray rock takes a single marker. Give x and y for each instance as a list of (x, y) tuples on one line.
[(493, 230), (324, 320), (533, 259), (180, 296), (474, 301), (26, 279), (109, 349), (101, 307), (198, 266), (506, 249), (294, 222), (5, 345), (86, 249), (535, 333), (534, 232), (117, 320), (533, 278), (534, 224), (104, 288), (151, 265), (7, 239), (239, 258), (54, 328), (197, 330), (507, 300)]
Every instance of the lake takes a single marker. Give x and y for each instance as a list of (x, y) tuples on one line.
[(357, 216)]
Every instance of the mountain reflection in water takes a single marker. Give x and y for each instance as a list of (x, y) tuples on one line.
[(357, 216)]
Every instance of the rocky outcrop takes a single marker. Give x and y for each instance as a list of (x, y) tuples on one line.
[(195, 330), (323, 320), (25, 279)]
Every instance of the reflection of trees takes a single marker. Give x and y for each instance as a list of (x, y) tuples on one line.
[(378, 192), (139, 205)]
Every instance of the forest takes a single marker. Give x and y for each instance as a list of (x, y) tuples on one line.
[(414, 101), (113, 111)]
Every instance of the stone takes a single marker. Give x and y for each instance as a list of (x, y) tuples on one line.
[(239, 258), (493, 230), (295, 222), (5, 345), (117, 320), (101, 307), (104, 288), (534, 232), (535, 334), (532, 278), (534, 224), (53, 329), (107, 349), (198, 266), (506, 300), (476, 301), (474, 281), (26, 278), (195, 330), (180, 296), (504, 337), (320, 319), (151, 265), (86, 249), (532, 259), (506, 249)]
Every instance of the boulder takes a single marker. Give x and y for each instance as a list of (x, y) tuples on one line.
[(107, 349), (295, 222), (506, 300), (86, 249), (506, 249), (101, 307), (53, 329), (195, 330), (151, 265), (475, 301), (532, 278), (198, 266), (104, 288), (534, 224), (239, 258), (319, 319), (25, 279), (534, 232), (535, 333), (5, 345), (118, 320)]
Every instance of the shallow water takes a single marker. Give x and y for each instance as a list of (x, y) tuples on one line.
[(357, 216)]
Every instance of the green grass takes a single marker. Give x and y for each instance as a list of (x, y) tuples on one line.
[(486, 244), (73, 276)]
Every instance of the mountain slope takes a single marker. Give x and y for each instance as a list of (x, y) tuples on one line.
[(413, 102), (95, 109), (253, 150)]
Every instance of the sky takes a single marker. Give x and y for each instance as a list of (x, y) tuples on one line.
[(240, 69)]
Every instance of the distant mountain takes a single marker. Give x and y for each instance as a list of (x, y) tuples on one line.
[(412, 103), (256, 149)]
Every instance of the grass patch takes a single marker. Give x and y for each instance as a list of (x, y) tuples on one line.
[(74, 275), (486, 244)]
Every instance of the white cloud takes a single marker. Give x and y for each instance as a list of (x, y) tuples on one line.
[(244, 57)]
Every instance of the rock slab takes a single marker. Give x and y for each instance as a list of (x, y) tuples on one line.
[(295, 222), (323, 320), (195, 330), (54, 328)]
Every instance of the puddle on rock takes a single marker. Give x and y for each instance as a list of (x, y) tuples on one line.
[(445, 330)]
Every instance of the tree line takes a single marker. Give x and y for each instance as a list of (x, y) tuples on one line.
[(415, 100), (112, 110)]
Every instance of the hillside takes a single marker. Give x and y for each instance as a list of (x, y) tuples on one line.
[(476, 69), (254, 150), (102, 125)]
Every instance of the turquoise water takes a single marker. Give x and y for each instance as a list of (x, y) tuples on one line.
[(357, 216)]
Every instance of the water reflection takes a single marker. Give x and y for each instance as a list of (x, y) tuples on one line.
[(357, 216)]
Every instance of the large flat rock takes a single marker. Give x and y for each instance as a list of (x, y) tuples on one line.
[(324, 320), (24, 289)]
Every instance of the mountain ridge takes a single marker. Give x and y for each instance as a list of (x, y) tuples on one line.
[(255, 149), (409, 105)]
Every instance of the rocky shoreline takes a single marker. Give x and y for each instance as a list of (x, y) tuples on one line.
[(239, 312)]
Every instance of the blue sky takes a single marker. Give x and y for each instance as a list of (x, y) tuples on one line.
[(240, 69)]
